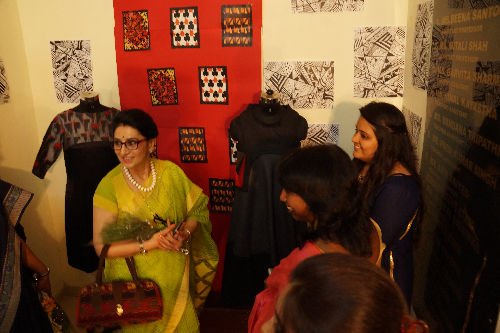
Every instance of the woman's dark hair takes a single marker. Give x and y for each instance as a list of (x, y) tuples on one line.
[(324, 177), (394, 144), (336, 292), (137, 119)]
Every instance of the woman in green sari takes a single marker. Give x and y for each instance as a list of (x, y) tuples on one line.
[(148, 208)]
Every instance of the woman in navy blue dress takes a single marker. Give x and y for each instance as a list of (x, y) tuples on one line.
[(391, 185)]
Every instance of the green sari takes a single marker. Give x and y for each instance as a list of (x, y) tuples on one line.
[(185, 281)]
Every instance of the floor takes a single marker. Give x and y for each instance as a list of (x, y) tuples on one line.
[(213, 319)]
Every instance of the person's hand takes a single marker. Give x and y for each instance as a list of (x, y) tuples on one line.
[(43, 284), (167, 240)]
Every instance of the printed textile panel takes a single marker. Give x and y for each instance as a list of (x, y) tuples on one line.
[(469, 4), (192, 144), (162, 86), (485, 90), (422, 45), (237, 25), (302, 84), (135, 30), (221, 195), (312, 6), (414, 125), (440, 63), (233, 151), (71, 68), (184, 27), (379, 62), (318, 134), (213, 85), (4, 85)]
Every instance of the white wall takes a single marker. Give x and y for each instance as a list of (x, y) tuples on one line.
[(27, 27), (328, 36)]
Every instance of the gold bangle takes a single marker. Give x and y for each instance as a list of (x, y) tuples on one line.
[(185, 248), (38, 276)]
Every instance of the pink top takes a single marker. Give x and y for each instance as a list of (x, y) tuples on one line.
[(265, 301)]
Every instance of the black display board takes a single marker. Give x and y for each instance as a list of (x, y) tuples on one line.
[(458, 259)]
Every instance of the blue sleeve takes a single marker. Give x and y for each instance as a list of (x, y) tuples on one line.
[(394, 205)]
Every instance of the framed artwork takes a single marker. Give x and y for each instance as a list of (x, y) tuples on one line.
[(301, 84), (184, 30), (213, 84), (136, 30), (321, 133), (422, 45), (308, 6), (162, 86), (193, 147), (71, 69), (233, 151), (237, 25), (4, 85), (221, 195), (379, 59)]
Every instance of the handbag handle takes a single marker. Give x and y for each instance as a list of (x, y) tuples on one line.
[(100, 268)]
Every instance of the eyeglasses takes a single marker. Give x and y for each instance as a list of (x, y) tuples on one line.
[(131, 144)]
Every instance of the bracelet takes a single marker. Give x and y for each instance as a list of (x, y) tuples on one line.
[(185, 248), (142, 250), (38, 276)]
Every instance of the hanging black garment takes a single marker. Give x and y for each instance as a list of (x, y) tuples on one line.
[(85, 135), (261, 232)]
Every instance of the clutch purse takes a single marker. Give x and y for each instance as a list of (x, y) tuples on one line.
[(118, 303)]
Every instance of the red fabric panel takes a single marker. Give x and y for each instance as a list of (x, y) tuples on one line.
[(244, 84)]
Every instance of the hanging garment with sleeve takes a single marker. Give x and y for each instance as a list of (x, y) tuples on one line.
[(85, 136), (261, 232)]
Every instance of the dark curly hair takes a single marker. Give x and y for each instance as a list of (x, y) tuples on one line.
[(138, 119), (324, 177)]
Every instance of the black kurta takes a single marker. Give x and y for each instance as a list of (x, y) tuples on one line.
[(262, 232), (85, 135)]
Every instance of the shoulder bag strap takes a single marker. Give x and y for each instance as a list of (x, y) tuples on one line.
[(100, 268)]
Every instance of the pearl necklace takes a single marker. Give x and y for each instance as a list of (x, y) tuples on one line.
[(136, 184)]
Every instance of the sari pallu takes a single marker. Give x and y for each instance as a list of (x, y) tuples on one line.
[(174, 198), (20, 309)]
